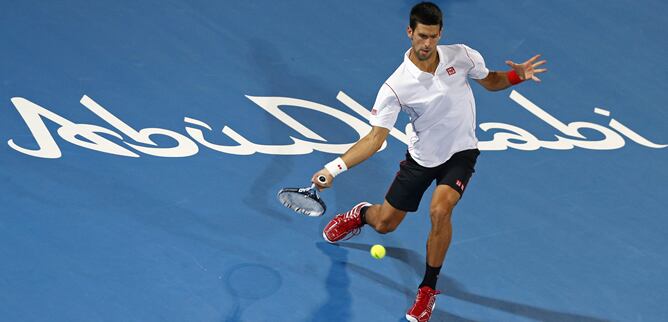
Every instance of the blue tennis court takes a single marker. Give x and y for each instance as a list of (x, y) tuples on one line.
[(142, 144)]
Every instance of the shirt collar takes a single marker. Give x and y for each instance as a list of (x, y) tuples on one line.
[(416, 72)]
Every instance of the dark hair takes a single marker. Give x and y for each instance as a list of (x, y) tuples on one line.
[(426, 13)]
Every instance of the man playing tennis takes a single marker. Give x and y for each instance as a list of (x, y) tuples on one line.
[(432, 86)]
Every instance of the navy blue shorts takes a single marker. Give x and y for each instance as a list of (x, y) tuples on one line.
[(412, 180)]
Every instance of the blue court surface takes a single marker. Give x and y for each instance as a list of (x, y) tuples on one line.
[(142, 144)]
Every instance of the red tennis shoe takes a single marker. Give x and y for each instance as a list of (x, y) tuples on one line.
[(344, 224), (425, 302)]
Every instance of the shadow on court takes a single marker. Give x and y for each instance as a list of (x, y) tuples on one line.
[(454, 289), (337, 286)]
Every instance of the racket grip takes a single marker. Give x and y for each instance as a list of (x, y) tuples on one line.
[(322, 179)]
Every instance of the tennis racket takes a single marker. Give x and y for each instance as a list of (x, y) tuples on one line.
[(305, 201)]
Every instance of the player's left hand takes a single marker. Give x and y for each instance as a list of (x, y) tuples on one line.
[(527, 69)]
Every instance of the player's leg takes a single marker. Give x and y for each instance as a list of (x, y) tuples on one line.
[(403, 196), (443, 202), (452, 180), (383, 218)]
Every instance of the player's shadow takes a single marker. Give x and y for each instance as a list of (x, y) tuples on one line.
[(337, 284), (456, 290)]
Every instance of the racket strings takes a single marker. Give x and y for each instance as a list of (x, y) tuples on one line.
[(301, 202)]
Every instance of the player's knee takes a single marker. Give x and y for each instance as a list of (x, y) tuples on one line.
[(441, 214)]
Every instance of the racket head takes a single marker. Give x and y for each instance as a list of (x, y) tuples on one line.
[(305, 201)]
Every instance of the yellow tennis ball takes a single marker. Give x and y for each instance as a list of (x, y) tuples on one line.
[(377, 251)]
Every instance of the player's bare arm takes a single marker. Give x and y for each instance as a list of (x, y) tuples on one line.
[(360, 151), (499, 80)]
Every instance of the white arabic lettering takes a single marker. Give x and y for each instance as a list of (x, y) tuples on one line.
[(88, 135)]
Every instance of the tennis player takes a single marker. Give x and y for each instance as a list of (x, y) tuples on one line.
[(432, 86)]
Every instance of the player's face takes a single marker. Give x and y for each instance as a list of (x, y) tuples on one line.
[(424, 39)]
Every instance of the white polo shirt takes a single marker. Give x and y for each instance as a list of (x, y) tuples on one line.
[(441, 106)]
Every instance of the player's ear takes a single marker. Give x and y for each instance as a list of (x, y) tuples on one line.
[(409, 32)]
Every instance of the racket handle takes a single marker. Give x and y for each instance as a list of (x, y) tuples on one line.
[(322, 179)]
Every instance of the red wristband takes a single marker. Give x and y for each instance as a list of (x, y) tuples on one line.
[(513, 78)]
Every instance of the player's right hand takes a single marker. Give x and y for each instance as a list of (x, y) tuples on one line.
[(327, 183)]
